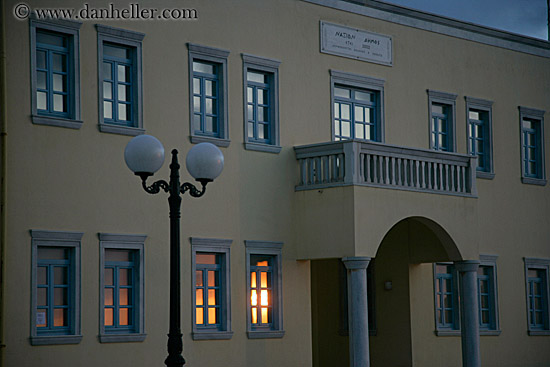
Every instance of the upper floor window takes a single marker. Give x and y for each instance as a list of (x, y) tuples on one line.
[(264, 278), (122, 288), (211, 289), (536, 274), (357, 106), (120, 80), (56, 76), (261, 83), (480, 141), (442, 120), (532, 146), (208, 95), (55, 287)]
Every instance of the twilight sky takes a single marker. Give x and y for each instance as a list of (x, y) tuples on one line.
[(526, 17)]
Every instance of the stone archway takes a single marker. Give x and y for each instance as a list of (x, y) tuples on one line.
[(409, 242)]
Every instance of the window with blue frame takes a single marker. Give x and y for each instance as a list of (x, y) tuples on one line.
[(54, 287), (477, 138), (118, 85), (120, 80), (52, 73), (55, 296), (206, 92), (261, 103), (55, 77), (480, 136), (440, 127), (442, 120), (536, 283), (208, 290), (446, 297), (120, 290), (259, 106), (261, 291), (211, 296), (532, 146), (264, 291), (538, 297), (208, 112), (486, 297), (355, 114)]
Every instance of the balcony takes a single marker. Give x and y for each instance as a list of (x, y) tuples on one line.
[(373, 164)]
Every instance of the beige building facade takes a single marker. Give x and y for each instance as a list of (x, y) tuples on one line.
[(384, 200)]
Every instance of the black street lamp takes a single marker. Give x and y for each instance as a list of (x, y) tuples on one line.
[(144, 155)]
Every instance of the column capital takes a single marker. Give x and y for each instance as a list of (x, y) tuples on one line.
[(467, 265), (354, 263)]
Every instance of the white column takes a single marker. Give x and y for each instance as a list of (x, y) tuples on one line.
[(469, 318), (358, 310)]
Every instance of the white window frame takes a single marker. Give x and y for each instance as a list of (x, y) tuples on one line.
[(135, 243), (220, 247), (62, 239), (129, 39), (273, 249)]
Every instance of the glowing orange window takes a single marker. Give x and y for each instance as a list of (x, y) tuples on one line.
[(261, 291)]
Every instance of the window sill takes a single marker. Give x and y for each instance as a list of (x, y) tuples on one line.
[(271, 334), (195, 139), (56, 121), (122, 130), (538, 332), (57, 339), (447, 332), (259, 147), (485, 175), (533, 181), (121, 338), (212, 335)]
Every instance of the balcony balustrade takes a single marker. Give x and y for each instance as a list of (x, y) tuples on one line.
[(373, 164)]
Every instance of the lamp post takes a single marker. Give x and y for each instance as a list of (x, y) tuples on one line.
[(144, 155)]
